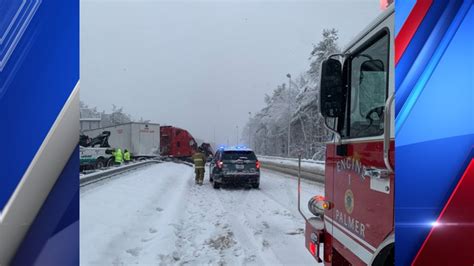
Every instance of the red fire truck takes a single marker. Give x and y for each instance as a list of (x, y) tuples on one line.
[(354, 220)]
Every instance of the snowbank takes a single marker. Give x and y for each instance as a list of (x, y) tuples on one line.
[(312, 166)]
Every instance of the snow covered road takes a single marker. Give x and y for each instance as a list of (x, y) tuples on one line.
[(156, 215)]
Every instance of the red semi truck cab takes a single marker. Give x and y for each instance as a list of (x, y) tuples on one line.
[(176, 142), (354, 220)]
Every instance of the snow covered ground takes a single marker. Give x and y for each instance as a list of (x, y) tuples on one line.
[(156, 215)]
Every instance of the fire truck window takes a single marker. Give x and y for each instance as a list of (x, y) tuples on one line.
[(369, 73)]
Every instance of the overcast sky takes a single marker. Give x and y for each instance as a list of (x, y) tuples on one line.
[(201, 65)]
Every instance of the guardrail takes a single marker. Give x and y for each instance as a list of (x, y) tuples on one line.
[(267, 157), (311, 170), (101, 175)]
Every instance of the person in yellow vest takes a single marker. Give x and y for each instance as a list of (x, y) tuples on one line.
[(118, 156), (126, 156), (199, 160)]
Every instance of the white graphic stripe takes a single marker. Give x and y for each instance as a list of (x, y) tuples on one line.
[(39, 178), (4, 59), (7, 31), (369, 246), (356, 248), (348, 242)]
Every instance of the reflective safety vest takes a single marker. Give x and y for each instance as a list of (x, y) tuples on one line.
[(126, 156), (118, 156)]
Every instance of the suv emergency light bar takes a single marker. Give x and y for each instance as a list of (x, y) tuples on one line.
[(237, 147)]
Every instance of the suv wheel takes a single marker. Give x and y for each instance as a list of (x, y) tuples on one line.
[(255, 185), (216, 185)]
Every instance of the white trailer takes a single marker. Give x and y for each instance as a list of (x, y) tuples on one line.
[(141, 139)]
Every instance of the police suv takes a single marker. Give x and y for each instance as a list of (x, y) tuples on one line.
[(233, 166)]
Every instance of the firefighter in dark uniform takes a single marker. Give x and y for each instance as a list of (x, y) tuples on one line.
[(199, 160)]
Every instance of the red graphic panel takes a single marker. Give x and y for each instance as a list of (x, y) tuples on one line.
[(409, 28), (450, 239)]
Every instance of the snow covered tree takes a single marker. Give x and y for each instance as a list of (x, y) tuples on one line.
[(327, 46), (299, 106), (116, 117), (88, 112)]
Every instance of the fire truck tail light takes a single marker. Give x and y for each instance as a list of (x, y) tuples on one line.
[(257, 165), (312, 248)]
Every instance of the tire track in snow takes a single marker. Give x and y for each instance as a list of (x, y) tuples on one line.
[(240, 227), (267, 224), (204, 232)]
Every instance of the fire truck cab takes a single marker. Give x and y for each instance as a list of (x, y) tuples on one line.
[(354, 220)]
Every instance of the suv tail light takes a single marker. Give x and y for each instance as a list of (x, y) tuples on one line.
[(257, 165)]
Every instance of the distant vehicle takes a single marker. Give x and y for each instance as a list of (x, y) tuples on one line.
[(206, 147), (95, 158), (101, 140), (236, 166), (141, 139), (92, 157), (177, 143)]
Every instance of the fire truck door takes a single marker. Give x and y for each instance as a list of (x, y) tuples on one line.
[(363, 191)]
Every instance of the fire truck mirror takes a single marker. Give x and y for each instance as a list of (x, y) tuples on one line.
[(332, 94)]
